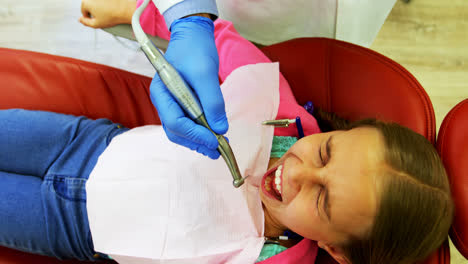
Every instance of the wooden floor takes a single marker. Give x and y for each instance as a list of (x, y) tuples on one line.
[(428, 37)]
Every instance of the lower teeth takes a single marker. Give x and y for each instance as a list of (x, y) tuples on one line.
[(270, 189)]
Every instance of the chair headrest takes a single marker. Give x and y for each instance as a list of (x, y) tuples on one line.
[(452, 144)]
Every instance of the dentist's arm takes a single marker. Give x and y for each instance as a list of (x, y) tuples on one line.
[(192, 51)]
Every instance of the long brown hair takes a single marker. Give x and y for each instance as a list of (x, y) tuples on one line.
[(415, 209)]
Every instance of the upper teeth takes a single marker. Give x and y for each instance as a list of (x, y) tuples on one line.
[(278, 178)]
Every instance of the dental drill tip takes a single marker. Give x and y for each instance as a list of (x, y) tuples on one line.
[(238, 183)]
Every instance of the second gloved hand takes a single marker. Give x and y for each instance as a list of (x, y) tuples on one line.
[(192, 52)]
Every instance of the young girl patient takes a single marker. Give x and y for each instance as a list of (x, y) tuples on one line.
[(367, 192)]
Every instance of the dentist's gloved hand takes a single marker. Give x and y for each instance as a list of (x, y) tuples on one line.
[(192, 52)]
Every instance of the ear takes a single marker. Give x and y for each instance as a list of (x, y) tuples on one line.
[(335, 252)]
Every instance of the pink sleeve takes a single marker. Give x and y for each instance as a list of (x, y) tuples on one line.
[(153, 22), (235, 51)]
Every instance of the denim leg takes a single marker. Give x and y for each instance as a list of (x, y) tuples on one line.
[(20, 194), (31, 141), (45, 160)]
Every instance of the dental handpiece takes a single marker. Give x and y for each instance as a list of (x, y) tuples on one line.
[(182, 93)]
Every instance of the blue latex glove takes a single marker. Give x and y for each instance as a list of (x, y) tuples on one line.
[(192, 52)]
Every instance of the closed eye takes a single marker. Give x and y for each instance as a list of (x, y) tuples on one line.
[(321, 186), (324, 161), (320, 155), (318, 198), (323, 205)]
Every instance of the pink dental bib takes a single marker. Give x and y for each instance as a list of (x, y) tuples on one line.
[(151, 201)]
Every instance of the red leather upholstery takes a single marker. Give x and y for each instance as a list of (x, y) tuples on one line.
[(354, 82), (344, 78), (44, 82), (452, 144)]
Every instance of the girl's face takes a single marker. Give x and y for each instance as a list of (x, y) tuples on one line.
[(326, 185)]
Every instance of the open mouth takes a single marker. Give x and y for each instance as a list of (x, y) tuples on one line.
[(272, 183)]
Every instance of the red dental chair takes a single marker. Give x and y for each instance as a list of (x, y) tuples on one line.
[(452, 145), (349, 80)]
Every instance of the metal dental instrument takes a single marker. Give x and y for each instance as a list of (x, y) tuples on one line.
[(182, 93), (126, 31), (285, 123), (279, 122)]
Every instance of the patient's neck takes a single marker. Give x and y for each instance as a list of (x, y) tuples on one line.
[(273, 230), (272, 227)]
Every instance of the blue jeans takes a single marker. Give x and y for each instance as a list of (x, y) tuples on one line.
[(45, 160)]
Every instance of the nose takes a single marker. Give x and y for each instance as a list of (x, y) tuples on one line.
[(302, 175)]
